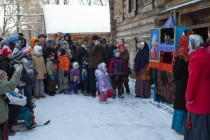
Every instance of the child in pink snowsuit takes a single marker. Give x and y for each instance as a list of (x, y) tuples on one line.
[(103, 85)]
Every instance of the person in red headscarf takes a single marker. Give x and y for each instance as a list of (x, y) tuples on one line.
[(180, 73)]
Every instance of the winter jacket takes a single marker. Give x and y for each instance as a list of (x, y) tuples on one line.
[(4, 63), (96, 55), (81, 52), (7, 86), (103, 80), (85, 73), (109, 54), (28, 65), (39, 66), (63, 63), (51, 67), (117, 66), (180, 74), (198, 87), (74, 75), (14, 100)]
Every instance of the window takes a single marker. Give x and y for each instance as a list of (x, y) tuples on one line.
[(131, 6)]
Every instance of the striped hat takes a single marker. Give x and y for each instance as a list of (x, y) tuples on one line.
[(2, 74), (17, 55)]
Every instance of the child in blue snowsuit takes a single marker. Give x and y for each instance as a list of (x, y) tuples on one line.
[(85, 76)]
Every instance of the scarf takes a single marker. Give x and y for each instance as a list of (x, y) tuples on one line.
[(183, 50)]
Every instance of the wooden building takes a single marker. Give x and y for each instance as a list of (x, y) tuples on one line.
[(132, 20)]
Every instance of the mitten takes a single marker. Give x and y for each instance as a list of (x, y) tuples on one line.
[(52, 77), (65, 73)]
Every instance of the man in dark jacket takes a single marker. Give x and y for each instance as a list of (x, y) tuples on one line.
[(110, 47), (96, 53), (67, 37)]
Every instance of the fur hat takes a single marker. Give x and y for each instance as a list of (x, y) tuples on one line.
[(6, 51), (2, 74)]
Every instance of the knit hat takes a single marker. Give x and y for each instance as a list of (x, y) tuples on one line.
[(12, 38), (42, 35), (115, 51), (63, 42), (75, 65), (195, 42), (120, 46), (84, 58), (95, 37), (6, 51), (38, 50), (63, 51), (25, 50), (17, 55), (2, 74)]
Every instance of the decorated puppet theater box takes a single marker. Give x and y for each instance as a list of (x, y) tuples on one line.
[(163, 44)]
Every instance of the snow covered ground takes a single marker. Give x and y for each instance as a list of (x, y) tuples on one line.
[(77, 117)]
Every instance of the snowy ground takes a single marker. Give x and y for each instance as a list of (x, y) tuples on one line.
[(77, 117)]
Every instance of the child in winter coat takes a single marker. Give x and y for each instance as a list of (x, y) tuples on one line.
[(74, 78), (39, 66), (51, 67), (6, 86), (15, 98), (117, 69), (85, 76), (28, 65), (63, 68), (103, 85)]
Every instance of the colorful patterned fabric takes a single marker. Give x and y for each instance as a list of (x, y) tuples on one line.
[(183, 48)]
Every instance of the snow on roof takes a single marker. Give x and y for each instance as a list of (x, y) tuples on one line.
[(76, 19)]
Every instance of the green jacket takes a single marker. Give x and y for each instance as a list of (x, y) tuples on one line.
[(7, 86)]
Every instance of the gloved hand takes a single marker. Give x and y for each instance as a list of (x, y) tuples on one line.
[(65, 73), (52, 77), (45, 76)]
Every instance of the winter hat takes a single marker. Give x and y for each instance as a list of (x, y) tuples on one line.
[(2, 74), (12, 38), (95, 37), (75, 65), (63, 51), (17, 55), (195, 42), (6, 51), (42, 35), (102, 67), (115, 51), (120, 46), (67, 34), (25, 50), (63, 42), (37, 50)]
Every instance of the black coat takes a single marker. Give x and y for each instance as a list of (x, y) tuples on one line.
[(80, 52), (4, 63), (109, 54), (180, 73)]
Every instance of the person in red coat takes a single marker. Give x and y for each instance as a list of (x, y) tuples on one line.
[(198, 91)]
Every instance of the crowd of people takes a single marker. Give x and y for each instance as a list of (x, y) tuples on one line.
[(29, 71)]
